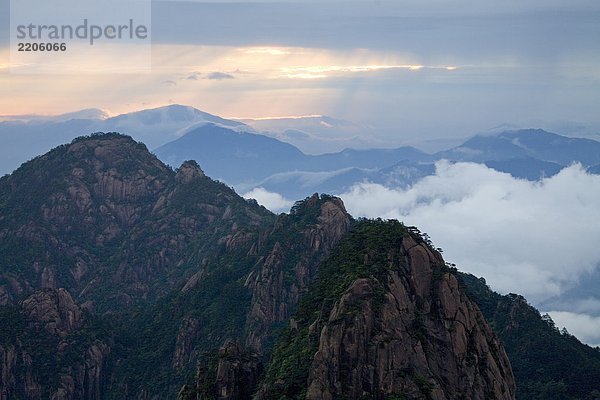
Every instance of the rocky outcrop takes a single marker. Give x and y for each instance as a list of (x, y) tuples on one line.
[(233, 374), (95, 367), (52, 310), (81, 199), (10, 289), (185, 343), (102, 211), (39, 361), (8, 362), (284, 273), (237, 373), (422, 338), (285, 259), (189, 171), (386, 318)]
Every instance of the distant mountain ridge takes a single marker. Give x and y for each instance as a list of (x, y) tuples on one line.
[(317, 134), (232, 156), (24, 137), (252, 160), (243, 158), (246, 158), (89, 113), (527, 143)]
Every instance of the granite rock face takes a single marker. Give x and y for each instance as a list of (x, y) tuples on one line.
[(426, 338), (189, 171), (53, 310), (234, 377), (53, 319), (103, 212), (184, 346), (385, 319), (238, 372), (286, 271)]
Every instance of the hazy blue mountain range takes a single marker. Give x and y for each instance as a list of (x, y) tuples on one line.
[(297, 183), (26, 136), (527, 143), (245, 158), (231, 156), (595, 169), (253, 160), (317, 134), (88, 113), (527, 168)]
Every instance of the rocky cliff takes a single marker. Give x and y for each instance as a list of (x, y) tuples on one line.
[(387, 318), (55, 350), (297, 244), (281, 265), (103, 220), (232, 373)]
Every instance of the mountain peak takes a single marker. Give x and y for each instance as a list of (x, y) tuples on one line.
[(87, 113), (316, 203), (189, 171), (527, 132), (112, 150), (101, 192), (384, 302), (173, 113)]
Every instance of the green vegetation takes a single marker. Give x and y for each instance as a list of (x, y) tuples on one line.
[(424, 385), (370, 250), (156, 252), (147, 340), (49, 355), (547, 363)]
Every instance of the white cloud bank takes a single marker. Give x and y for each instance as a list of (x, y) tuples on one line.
[(531, 238), (537, 239), (586, 328), (272, 201)]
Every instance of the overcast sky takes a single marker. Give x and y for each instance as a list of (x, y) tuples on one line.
[(410, 68)]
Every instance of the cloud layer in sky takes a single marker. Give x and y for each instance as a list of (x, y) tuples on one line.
[(535, 239), (585, 327), (273, 201), (531, 63)]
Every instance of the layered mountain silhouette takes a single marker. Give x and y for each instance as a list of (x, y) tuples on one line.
[(24, 137), (123, 278), (254, 160), (245, 158), (317, 134)]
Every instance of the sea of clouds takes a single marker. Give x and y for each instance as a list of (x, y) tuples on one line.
[(538, 239)]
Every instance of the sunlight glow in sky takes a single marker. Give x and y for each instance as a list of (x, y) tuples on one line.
[(323, 71), (408, 70), (189, 74)]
